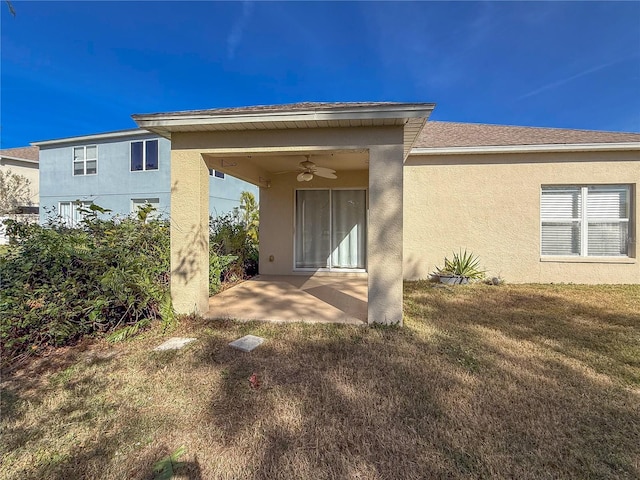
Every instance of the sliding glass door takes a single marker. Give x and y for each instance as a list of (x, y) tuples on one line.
[(331, 229)]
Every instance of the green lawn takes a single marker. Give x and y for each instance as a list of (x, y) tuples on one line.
[(517, 381)]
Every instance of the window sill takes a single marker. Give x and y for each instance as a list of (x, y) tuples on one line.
[(621, 260)]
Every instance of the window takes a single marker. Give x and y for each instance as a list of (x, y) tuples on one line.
[(138, 203), (144, 155), (585, 220), (85, 160), (215, 173), (70, 212), (331, 229)]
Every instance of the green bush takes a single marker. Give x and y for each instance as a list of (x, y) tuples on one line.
[(462, 265), (233, 254), (109, 275), (233, 243), (58, 284)]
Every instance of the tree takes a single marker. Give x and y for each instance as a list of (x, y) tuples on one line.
[(250, 215), (15, 191)]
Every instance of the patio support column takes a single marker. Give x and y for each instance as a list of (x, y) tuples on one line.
[(384, 237), (189, 232)]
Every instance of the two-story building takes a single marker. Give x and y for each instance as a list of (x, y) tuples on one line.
[(120, 171)]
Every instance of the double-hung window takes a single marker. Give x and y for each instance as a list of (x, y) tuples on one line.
[(144, 155), (85, 160), (585, 220)]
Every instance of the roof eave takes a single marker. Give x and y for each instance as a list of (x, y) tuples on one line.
[(405, 111), (92, 137), (18, 159)]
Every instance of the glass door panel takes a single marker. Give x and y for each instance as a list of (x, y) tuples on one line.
[(313, 237), (348, 232)]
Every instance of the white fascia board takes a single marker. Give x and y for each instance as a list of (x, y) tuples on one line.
[(575, 147), (91, 138), (361, 113), (18, 159)]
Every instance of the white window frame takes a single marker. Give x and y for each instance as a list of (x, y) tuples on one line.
[(153, 201), (76, 216), (83, 161), (144, 155), (583, 220)]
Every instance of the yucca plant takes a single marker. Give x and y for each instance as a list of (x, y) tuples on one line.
[(462, 264)]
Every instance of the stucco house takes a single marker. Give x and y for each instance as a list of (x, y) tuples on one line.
[(121, 171), (376, 189), (23, 161)]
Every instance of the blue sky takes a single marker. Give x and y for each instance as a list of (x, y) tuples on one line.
[(74, 68)]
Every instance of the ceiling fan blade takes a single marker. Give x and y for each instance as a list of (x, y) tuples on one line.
[(326, 173), (286, 171), (323, 169)]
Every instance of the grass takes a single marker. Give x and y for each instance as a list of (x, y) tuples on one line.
[(516, 381)]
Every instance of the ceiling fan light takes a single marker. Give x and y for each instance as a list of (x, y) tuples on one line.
[(307, 176)]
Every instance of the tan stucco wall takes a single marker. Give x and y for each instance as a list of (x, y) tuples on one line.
[(236, 146), (189, 232), (490, 205), (384, 235), (29, 170)]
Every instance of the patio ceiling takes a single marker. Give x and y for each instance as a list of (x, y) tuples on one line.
[(338, 160)]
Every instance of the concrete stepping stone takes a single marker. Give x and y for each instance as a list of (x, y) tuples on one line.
[(174, 343), (247, 343)]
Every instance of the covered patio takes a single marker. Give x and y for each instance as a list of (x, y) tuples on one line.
[(310, 224), (295, 298)]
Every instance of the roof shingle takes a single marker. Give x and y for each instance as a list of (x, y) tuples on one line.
[(437, 134), (27, 153)]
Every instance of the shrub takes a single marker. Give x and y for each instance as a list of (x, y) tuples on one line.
[(58, 283), (461, 265), (109, 275), (233, 244)]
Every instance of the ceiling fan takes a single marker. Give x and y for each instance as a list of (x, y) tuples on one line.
[(308, 170)]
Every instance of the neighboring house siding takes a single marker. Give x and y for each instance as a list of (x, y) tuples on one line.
[(490, 205), (28, 170), (115, 185)]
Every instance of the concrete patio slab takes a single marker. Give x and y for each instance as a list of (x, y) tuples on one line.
[(295, 298)]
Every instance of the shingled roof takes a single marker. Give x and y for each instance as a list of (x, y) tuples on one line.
[(26, 153), (453, 134)]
